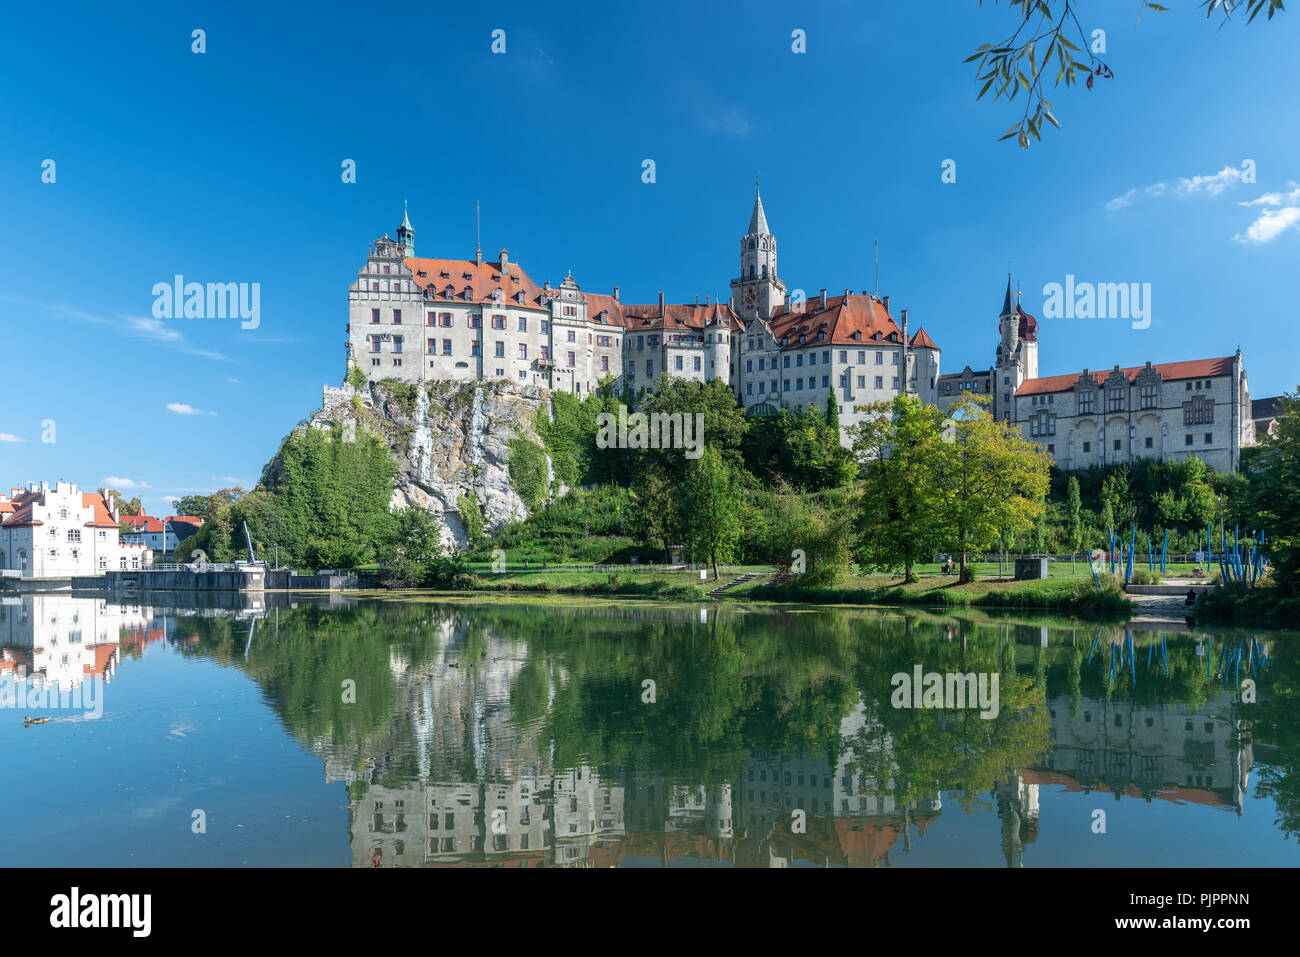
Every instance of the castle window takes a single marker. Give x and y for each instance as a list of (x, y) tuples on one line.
[(499, 350), (374, 343), (1198, 411), (604, 363), (474, 349), (446, 347), (1116, 402), (397, 343), (397, 317), (765, 270), (1149, 442), (880, 382), (523, 350), (1087, 447), (1085, 403), (429, 318), (476, 322), (374, 315), (697, 363), (523, 323), (1149, 396)]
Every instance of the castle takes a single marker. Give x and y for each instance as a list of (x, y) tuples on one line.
[(417, 320)]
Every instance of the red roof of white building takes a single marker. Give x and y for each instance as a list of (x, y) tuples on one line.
[(1192, 369)]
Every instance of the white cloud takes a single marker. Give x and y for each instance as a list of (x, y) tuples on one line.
[(1271, 224), (10, 437), (233, 480), (1275, 199), (1213, 184), (181, 408), (232, 379), (118, 482), (143, 327), (1120, 202)]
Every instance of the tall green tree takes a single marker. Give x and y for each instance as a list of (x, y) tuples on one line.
[(899, 518), (993, 481), (710, 502)]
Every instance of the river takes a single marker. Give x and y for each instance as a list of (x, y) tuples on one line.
[(331, 731)]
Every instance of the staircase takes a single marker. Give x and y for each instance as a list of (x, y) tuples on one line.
[(717, 592)]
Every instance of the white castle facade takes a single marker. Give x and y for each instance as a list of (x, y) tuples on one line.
[(417, 320)]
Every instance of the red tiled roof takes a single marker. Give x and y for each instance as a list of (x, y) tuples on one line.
[(922, 340), (149, 523), (483, 279), (100, 517), (676, 316), (22, 517), (839, 321), (1192, 369)]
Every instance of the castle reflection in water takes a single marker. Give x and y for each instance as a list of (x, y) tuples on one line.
[(520, 811)]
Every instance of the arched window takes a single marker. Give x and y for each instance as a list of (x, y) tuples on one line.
[(3, 562), (751, 272), (22, 560)]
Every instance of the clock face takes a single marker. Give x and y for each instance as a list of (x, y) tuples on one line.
[(749, 297)]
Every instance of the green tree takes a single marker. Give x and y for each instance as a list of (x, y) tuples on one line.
[(1273, 494), (993, 480), (899, 519), (1074, 509), (710, 502)]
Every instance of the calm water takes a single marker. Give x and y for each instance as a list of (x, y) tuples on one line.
[(399, 733)]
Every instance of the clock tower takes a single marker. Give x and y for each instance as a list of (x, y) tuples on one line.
[(757, 292)]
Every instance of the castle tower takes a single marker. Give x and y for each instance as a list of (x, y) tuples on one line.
[(406, 233), (1017, 356), (758, 291)]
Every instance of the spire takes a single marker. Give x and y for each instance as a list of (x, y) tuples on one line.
[(758, 221), (406, 232), (1007, 310)]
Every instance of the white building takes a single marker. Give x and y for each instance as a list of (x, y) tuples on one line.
[(1164, 411), (56, 531), (419, 320)]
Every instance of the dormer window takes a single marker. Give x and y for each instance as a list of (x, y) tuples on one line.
[(448, 291), (469, 292), (496, 294)]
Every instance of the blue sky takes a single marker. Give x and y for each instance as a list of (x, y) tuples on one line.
[(225, 167)]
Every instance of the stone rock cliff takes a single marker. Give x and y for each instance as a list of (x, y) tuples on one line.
[(450, 440)]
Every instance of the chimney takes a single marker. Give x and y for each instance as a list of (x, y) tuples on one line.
[(708, 298), (616, 293), (847, 293), (697, 302), (823, 297), (661, 306), (886, 303), (503, 259)]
